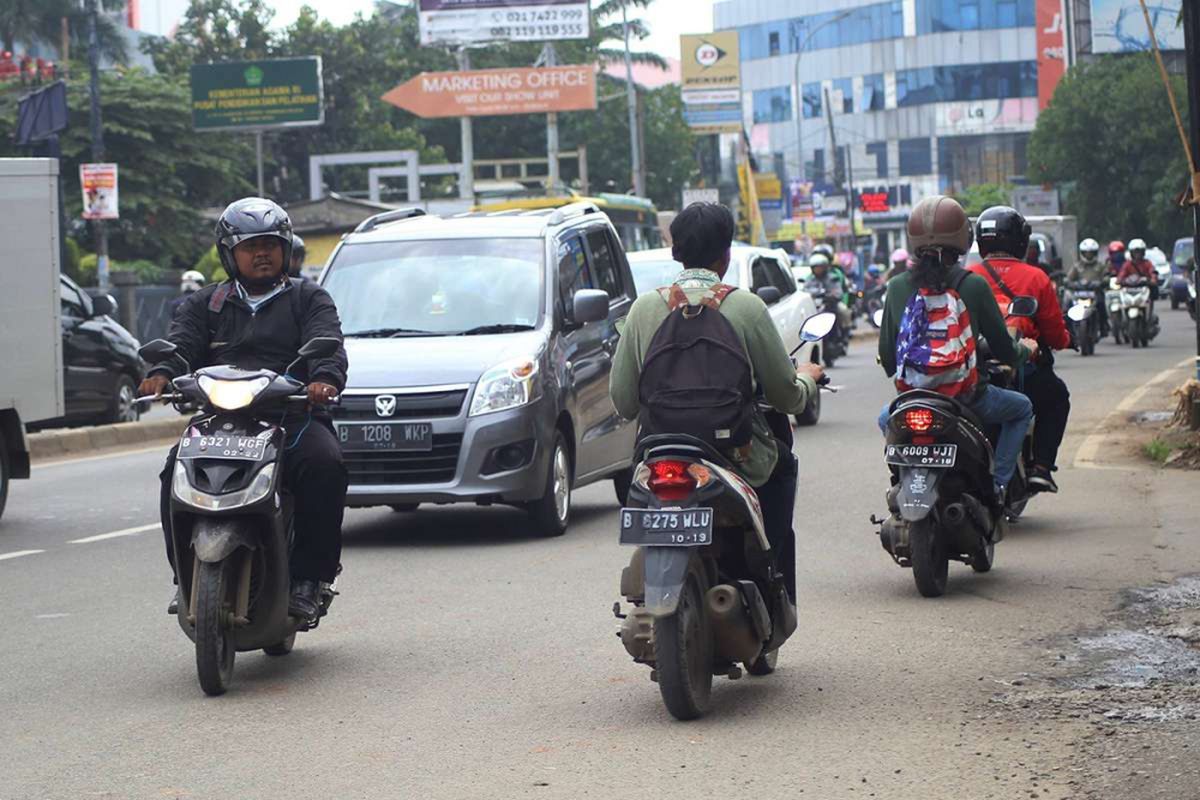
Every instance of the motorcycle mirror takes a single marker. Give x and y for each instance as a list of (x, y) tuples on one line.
[(1023, 306), (1077, 313), (320, 347), (818, 326), (877, 318), (157, 351)]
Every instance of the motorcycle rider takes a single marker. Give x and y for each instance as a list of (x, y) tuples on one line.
[(258, 319), (1116, 257), (1090, 269), (190, 282), (297, 261), (899, 261), (940, 234), (1003, 232), (823, 272), (1138, 266), (702, 236)]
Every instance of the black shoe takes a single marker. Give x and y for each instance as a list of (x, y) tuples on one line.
[(173, 606), (305, 601), (1040, 480)]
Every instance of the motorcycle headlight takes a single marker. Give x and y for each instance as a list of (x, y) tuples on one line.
[(231, 395), (259, 488), (508, 385)]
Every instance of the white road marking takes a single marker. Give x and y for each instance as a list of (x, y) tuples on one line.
[(100, 537), (51, 616), (19, 553), (1085, 456)]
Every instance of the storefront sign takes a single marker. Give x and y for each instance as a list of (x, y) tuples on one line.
[(252, 95), (99, 183), (463, 22), (712, 81), (492, 92), (874, 203)]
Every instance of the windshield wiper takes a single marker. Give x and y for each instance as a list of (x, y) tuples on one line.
[(507, 327), (388, 333)]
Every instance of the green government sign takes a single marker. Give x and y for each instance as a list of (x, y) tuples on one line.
[(252, 95)]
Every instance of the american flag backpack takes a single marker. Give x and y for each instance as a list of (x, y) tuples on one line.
[(936, 346)]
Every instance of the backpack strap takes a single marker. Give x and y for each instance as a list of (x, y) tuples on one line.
[(716, 295), (999, 281), (219, 296), (674, 297)]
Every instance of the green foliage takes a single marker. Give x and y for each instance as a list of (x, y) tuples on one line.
[(975, 199), (147, 271), (71, 253), (210, 266), (1109, 129), (1158, 450)]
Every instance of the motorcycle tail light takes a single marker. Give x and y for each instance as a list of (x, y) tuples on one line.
[(675, 480), (919, 420)]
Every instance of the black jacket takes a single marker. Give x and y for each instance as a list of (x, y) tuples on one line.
[(215, 326)]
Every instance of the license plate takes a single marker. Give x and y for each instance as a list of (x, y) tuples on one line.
[(666, 528), (242, 448), (398, 436), (922, 455)]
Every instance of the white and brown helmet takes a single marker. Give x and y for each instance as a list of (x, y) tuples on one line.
[(939, 222)]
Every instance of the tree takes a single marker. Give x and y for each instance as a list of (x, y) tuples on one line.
[(1109, 132), (975, 199)]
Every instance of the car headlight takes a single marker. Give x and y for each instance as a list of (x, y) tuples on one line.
[(508, 385), (231, 395), (259, 488)]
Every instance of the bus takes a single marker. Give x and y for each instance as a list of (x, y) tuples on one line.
[(635, 218)]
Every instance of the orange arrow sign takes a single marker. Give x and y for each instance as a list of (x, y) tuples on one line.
[(491, 92)]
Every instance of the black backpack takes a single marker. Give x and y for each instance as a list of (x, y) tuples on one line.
[(696, 378)]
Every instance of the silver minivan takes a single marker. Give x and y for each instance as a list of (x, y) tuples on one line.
[(480, 349)]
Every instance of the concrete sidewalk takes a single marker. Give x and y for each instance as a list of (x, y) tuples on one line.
[(75, 441)]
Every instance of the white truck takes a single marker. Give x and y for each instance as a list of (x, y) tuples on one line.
[(1063, 236), (31, 378)]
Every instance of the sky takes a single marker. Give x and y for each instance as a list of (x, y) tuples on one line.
[(667, 19)]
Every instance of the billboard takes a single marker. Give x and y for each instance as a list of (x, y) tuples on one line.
[(1051, 48), (712, 82), (1118, 26), (252, 95), (463, 22), (492, 92)]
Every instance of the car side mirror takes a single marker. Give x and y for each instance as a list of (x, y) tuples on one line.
[(1023, 306), (103, 305), (320, 347), (589, 305), (769, 295), (818, 326), (157, 351)]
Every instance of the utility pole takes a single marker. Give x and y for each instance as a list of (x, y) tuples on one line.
[(99, 233), (1191, 44), (553, 177), (466, 180), (635, 145)]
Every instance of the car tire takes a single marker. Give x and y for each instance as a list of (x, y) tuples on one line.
[(123, 405), (551, 514)]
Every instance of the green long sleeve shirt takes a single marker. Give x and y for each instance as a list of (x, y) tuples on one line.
[(772, 366), (986, 321)]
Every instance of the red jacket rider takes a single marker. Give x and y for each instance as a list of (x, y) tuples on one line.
[(1022, 279)]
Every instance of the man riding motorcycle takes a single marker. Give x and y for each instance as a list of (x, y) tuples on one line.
[(296, 262), (1090, 269), (190, 282), (940, 234), (702, 235), (1003, 232), (259, 319), (1138, 266), (834, 282)]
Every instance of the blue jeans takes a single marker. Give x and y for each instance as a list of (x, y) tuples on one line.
[(1012, 411)]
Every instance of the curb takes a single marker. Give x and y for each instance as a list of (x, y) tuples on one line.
[(57, 443)]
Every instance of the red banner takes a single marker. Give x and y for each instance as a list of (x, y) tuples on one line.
[(1051, 49)]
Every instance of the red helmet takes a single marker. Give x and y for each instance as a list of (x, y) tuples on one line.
[(1116, 246)]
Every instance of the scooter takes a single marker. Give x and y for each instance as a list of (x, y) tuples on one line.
[(231, 520), (1141, 324), (942, 502), (1116, 317), (1083, 316), (836, 345), (702, 583)]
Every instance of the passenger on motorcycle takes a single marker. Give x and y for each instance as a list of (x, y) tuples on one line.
[(702, 235), (834, 282), (258, 319), (899, 261), (940, 234), (1003, 232), (1090, 269), (1116, 257)]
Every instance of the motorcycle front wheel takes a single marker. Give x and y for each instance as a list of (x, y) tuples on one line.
[(930, 562), (683, 653), (216, 585)]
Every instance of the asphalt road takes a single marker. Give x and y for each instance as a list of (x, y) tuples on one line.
[(466, 659)]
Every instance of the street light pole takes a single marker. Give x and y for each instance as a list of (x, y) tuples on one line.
[(1191, 44), (635, 149), (99, 234), (799, 110)]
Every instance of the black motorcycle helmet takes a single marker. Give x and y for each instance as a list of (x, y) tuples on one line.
[(1001, 229), (298, 253), (248, 218)]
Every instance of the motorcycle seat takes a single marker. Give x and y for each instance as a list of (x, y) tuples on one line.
[(941, 402), (679, 444)]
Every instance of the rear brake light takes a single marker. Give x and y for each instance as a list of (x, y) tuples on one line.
[(675, 480), (918, 419)]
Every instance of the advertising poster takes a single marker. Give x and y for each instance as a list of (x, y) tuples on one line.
[(712, 81), (1051, 49), (1118, 26), (99, 183), (464, 22)]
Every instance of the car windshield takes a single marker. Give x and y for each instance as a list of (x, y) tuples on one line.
[(1183, 250), (650, 275), (438, 286)]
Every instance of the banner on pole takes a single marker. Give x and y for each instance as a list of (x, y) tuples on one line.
[(99, 183)]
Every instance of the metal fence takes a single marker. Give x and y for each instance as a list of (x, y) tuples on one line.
[(153, 311)]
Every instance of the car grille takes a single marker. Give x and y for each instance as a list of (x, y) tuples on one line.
[(384, 468), (361, 407)]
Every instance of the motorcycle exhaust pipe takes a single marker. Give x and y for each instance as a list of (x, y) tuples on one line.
[(955, 514), (733, 631)]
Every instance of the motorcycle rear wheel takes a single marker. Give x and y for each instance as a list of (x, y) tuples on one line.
[(683, 653), (930, 562), (216, 585)]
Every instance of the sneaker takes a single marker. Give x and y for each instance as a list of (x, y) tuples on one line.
[(173, 606), (304, 603), (1041, 480)]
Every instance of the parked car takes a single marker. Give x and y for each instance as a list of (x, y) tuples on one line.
[(480, 349), (767, 273), (1181, 256), (101, 366)]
